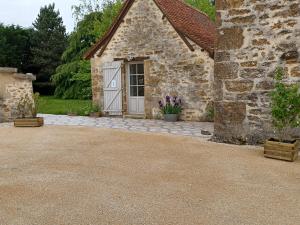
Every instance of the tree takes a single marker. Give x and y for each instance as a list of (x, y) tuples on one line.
[(49, 42), (15, 44), (206, 6), (73, 78)]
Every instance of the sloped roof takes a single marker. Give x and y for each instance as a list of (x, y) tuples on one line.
[(186, 20)]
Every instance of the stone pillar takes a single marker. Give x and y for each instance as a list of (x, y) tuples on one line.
[(254, 37), (13, 87)]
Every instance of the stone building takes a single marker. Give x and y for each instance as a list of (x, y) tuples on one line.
[(155, 48), (13, 86), (254, 37)]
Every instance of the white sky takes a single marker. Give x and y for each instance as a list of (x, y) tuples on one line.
[(24, 12)]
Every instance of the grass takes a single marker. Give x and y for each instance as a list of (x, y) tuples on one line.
[(51, 105)]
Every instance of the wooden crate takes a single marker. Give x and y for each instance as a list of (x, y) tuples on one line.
[(29, 122), (283, 151)]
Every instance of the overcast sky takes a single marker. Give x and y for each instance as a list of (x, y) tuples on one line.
[(24, 12)]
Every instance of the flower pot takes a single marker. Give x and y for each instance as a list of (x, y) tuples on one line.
[(171, 117), (95, 114), (280, 150), (29, 122)]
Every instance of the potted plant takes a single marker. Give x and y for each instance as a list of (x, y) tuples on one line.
[(171, 108), (285, 116), (95, 111), (28, 108)]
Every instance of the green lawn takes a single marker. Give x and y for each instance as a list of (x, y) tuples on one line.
[(51, 105)]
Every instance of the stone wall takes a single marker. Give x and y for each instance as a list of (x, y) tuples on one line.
[(254, 37), (171, 68), (13, 86)]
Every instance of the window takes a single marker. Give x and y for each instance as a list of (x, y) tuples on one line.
[(136, 80)]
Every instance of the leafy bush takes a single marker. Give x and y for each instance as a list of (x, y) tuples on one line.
[(206, 6), (285, 105), (210, 112), (73, 80), (28, 105), (95, 108), (171, 106), (36, 102)]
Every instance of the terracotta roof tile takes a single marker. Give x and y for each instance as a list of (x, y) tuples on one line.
[(188, 22)]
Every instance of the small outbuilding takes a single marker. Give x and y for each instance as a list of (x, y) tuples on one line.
[(153, 49), (14, 87)]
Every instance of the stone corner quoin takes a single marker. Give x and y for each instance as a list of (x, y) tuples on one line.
[(254, 37)]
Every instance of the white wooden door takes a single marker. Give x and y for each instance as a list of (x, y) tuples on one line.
[(112, 88), (136, 99)]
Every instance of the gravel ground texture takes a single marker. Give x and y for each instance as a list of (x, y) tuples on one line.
[(92, 176)]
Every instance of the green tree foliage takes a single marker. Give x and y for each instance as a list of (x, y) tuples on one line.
[(73, 78), (206, 6), (15, 44), (83, 37), (285, 105), (49, 42)]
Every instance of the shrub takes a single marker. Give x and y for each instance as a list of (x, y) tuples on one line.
[(285, 102), (28, 104), (171, 106), (73, 80), (210, 112)]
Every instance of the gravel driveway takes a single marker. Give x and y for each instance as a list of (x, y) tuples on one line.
[(93, 176)]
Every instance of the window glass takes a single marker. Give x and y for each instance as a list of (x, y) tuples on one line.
[(132, 68), (140, 68), (140, 80), (141, 90), (133, 80), (133, 91)]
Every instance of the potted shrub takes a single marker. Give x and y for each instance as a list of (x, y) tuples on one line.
[(171, 109), (285, 115), (27, 105), (95, 111)]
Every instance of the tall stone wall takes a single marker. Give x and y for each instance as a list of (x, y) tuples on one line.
[(171, 68), (254, 37), (13, 86)]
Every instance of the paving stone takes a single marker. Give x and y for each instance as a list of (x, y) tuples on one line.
[(154, 126)]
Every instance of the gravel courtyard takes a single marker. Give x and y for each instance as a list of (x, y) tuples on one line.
[(92, 176)]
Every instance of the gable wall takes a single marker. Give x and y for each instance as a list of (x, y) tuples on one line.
[(254, 37), (172, 68)]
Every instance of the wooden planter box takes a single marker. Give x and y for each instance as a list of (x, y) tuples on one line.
[(29, 122), (279, 150)]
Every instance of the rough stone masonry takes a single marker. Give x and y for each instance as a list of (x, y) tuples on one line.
[(172, 69), (13, 86), (254, 37)]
